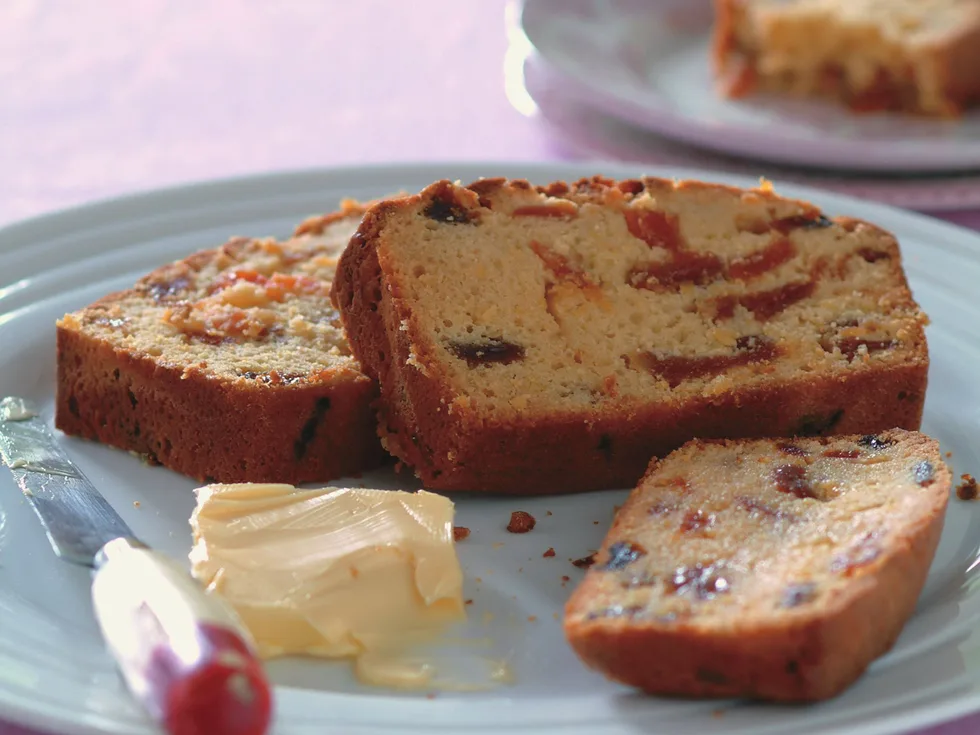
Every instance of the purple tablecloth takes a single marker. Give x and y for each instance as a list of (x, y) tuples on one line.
[(102, 98)]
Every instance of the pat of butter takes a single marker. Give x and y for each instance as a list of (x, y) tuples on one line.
[(329, 572)]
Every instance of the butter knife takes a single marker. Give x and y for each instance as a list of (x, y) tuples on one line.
[(183, 653)]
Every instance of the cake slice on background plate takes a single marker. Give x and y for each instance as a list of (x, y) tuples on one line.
[(916, 56)]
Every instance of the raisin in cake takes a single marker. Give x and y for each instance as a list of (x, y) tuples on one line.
[(763, 568), (552, 340), (920, 56), (228, 366)]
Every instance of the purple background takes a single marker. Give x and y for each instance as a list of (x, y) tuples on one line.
[(105, 97)]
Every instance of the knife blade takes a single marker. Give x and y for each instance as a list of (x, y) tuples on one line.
[(183, 653), (76, 518)]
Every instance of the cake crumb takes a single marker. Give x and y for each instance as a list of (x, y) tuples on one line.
[(550, 552), (595, 523), (967, 490), (532, 618), (585, 562), (521, 522), (430, 695), (469, 602), (564, 579), (548, 513), (948, 455), (460, 533), (136, 504), (497, 544)]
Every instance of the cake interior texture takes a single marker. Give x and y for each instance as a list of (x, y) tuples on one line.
[(624, 318), (230, 365), (764, 568)]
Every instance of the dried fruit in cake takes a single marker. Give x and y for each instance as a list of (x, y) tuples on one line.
[(229, 366), (918, 56), (553, 339), (808, 569)]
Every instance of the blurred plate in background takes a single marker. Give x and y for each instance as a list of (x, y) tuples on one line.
[(647, 62)]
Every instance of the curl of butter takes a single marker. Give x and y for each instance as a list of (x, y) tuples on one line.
[(329, 572)]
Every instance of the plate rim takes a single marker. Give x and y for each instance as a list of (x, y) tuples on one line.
[(860, 155), (376, 174), (890, 190)]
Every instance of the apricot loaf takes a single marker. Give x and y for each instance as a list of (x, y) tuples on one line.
[(763, 568), (919, 56), (532, 340), (228, 366)]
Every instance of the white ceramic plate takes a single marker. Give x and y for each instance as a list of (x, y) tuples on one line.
[(647, 61), (593, 135), (54, 673)]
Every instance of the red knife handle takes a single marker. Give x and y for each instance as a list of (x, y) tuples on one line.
[(183, 653)]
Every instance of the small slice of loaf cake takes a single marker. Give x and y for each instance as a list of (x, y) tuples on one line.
[(532, 340), (764, 568), (228, 366), (920, 56)]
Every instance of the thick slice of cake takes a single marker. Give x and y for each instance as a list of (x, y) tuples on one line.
[(228, 366), (920, 56), (768, 569), (550, 340)]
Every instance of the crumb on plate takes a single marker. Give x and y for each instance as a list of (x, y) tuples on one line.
[(967, 490), (521, 522)]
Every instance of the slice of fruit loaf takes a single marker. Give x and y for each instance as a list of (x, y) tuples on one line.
[(554, 339), (763, 568), (228, 366)]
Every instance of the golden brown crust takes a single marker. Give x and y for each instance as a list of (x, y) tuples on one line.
[(213, 430), (205, 421), (723, 36), (453, 448), (802, 654), (733, 66), (316, 224), (958, 63)]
